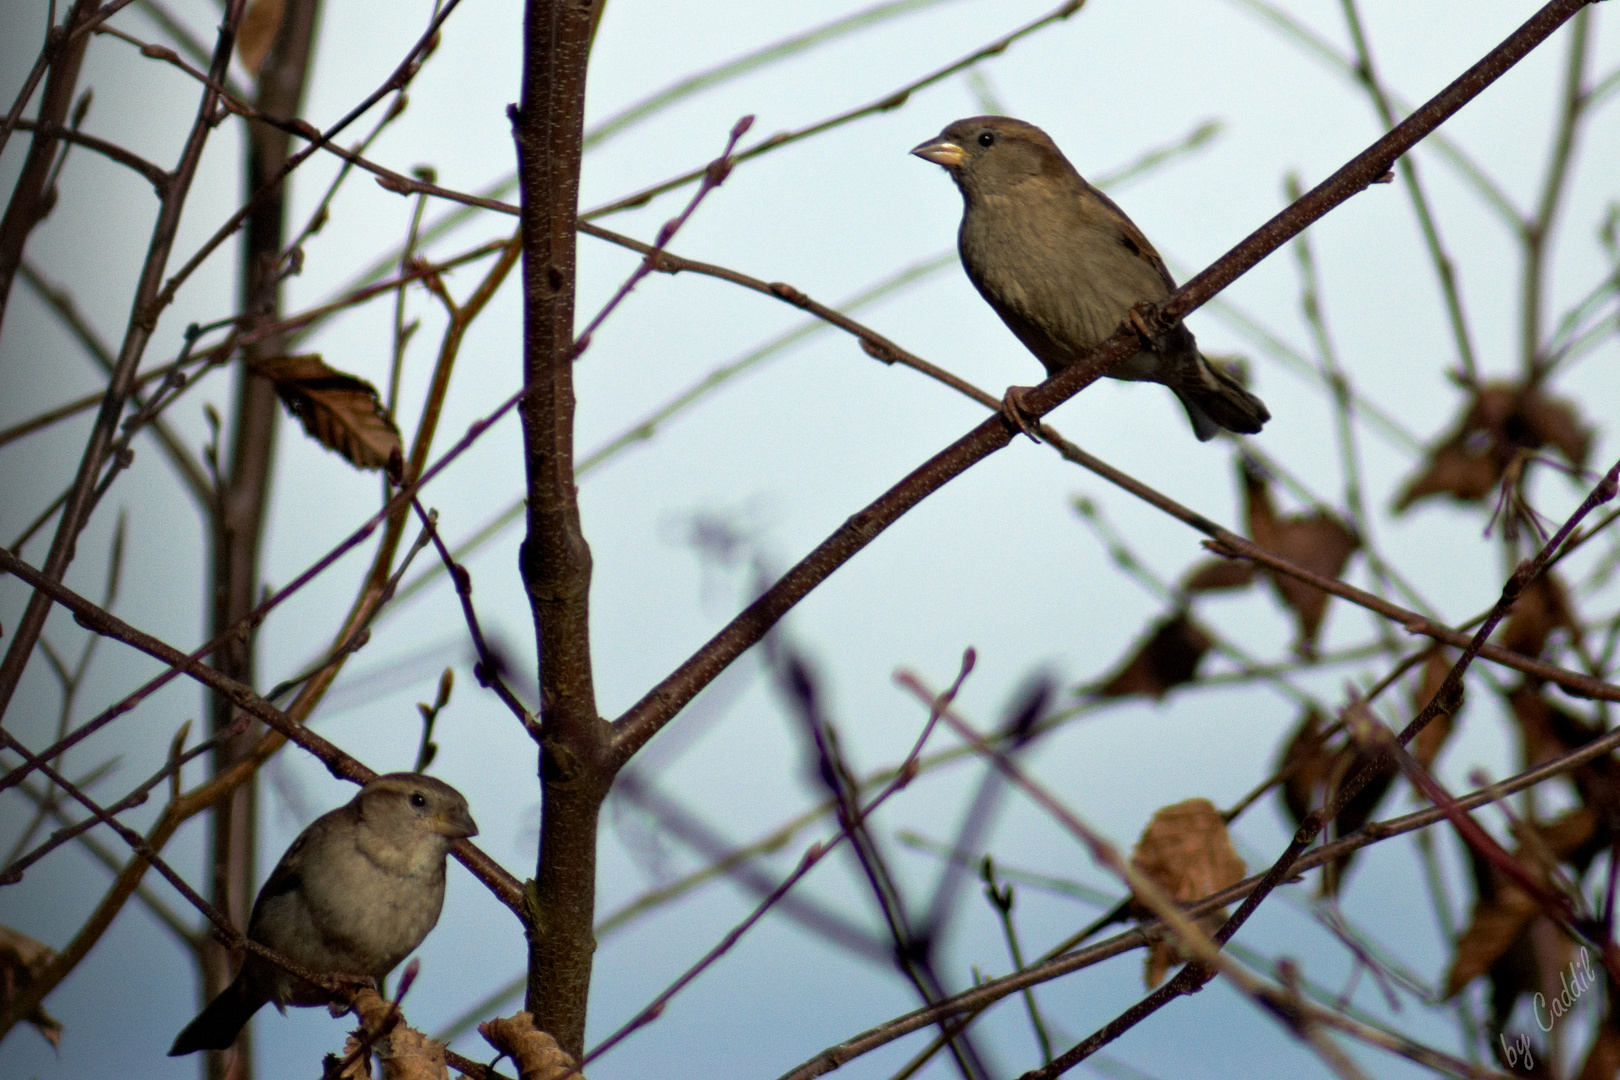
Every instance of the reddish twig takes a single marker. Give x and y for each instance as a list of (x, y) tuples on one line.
[(816, 852), (488, 669)]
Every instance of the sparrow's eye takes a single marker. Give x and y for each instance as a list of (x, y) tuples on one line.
[(986, 138), (418, 799)]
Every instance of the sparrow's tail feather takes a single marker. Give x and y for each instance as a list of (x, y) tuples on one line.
[(217, 1026), (1218, 402)]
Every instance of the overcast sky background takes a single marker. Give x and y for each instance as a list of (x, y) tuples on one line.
[(997, 560)]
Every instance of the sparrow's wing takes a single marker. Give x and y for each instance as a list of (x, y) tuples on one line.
[(287, 877), (1132, 240)]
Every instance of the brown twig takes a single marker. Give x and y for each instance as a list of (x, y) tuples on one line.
[(488, 669), (338, 762), (154, 174), (33, 194), (137, 335)]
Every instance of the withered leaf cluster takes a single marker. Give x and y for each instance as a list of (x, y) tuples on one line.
[(340, 411), (1169, 653), (1499, 423), (1510, 939), (1187, 852)]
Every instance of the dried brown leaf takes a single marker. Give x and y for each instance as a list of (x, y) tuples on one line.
[(1555, 423), (257, 33), (536, 1054), (1500, 422), (1466, 472), (1319, 542), (404, 1052), (338, 410), (1494, 927), (1550, 732), (1312, 772), (1187, 852), (1167, 658), (1305, 767), (1565, 835), (1215, 574), (21, 960)]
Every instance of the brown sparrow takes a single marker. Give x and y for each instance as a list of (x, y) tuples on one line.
[(354, 894), (1064, 267)]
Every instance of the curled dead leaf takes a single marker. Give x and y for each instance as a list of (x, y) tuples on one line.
[(21, 960), (1500, 422), (536, 1053), (1166, 658), (1313, 768), (403, 1052), (1550, 732), (1187, 852), (1213, 575), (1319, 542), (1306, 764), (340, 411)]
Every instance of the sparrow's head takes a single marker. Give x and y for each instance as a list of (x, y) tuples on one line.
[(988, 155), (413, 804)]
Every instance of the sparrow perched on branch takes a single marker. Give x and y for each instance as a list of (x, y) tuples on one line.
[(1064, 267), (354, 894)]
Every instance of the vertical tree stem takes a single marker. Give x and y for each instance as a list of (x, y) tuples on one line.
[(555, 560), (239, 505)]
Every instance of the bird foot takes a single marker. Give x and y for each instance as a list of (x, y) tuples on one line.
[(1017, 417)]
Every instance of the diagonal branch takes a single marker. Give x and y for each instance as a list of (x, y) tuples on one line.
[(662, 702), (32, 196)]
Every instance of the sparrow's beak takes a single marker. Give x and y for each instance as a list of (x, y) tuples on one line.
[(940, 152), (457, 825)]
